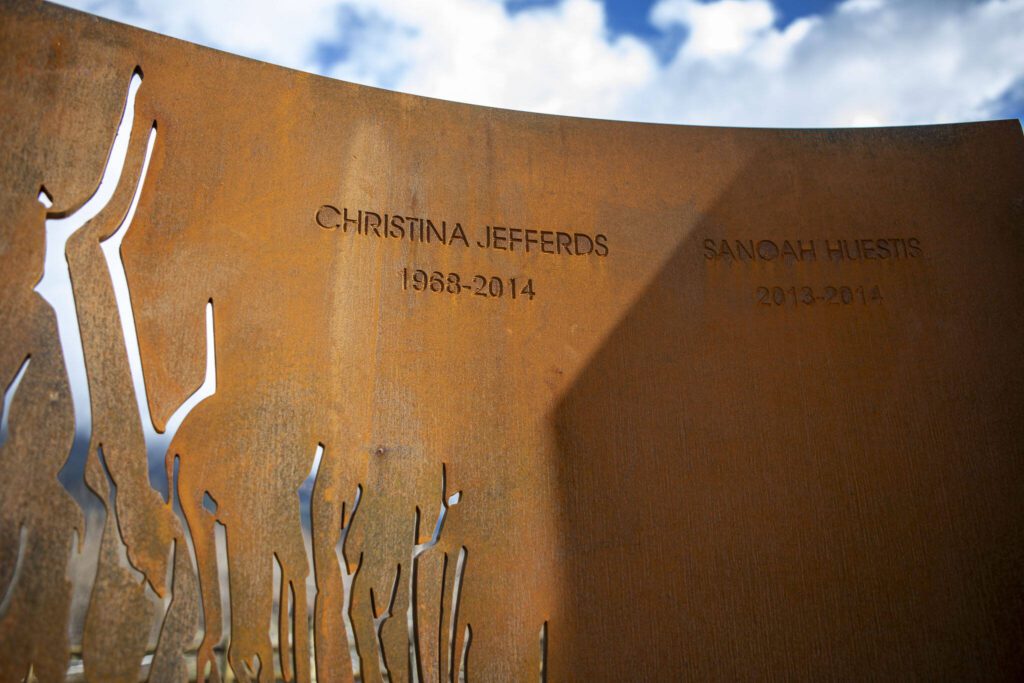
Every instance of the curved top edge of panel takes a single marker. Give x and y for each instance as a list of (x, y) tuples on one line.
[(1011, 126)]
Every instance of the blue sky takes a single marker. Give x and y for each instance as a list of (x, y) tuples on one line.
[(631, 16), (790, 63)]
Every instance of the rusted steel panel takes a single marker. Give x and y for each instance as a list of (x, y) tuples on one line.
[(447, 391)]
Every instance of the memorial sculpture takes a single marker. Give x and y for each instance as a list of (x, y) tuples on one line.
[(381, 387)]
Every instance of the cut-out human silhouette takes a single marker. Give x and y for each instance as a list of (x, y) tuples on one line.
[(146, 523), (38, 518)]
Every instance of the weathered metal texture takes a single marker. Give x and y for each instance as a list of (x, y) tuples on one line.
[(768, 425)]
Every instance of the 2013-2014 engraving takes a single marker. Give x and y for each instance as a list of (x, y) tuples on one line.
[(843, 295)]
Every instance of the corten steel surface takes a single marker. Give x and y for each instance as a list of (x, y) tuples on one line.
[(665, 402)]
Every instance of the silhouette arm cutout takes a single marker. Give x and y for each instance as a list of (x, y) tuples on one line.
[(110, 218)]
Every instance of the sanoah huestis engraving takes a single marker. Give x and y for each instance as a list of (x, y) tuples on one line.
[(798, 250)]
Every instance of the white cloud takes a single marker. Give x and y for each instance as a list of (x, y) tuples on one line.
[(559, 59), (865, 62), (279, 32), (717, 29), (861, 5)]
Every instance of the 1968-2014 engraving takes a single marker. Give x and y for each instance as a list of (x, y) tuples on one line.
[(492, 287)]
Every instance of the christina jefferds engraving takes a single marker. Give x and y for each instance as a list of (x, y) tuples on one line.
[(451, 233)]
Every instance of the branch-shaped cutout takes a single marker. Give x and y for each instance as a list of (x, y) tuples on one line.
[(467, 639), (446, 503), (378, 624), (420, 547), (440, 616), (544, 652), (348, 579), (460, 570), (278, 629)]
